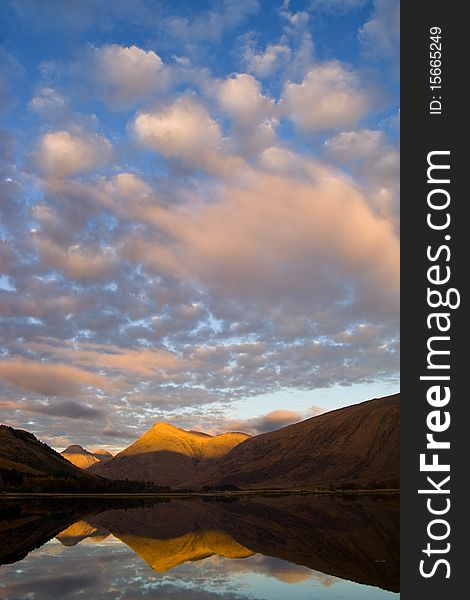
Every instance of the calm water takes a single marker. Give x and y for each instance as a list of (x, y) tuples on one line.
[(296, 547)]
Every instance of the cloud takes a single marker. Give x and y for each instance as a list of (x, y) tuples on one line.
[(376, 162), (244, 288), (69, 409), (77, 262), (50, 379), (268, 566), (61, 153), (276, 419), (253, 115), (213, 423), (124, 75), (49, 103), (264, 63), (208, 26), (256, 425), (182, 130), (290, 55), (51, 587), (250, 141), (240, 97), (283, 571), (380, 36), (330, 97), (297, 31), (202, 252), (143, 361), (276, 236), (350, 146)]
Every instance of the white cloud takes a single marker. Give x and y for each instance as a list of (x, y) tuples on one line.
[(215, 424), (290, 55), (297, 32), (281, 161), (380, 36), (251, 140), (376, 163), (209, 25), (78, 262), (61, 153), (49, 103), (125, 75), (241, 98), (183, 130), (253, 115), (330, 97), (349, 146), (264, 63), (50, 379), (277, 235)]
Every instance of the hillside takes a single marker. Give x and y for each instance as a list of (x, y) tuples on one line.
[(25, 461), (355, 446), (28, 465), (82, 458), (168, 455)]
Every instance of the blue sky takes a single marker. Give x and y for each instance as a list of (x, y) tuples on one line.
[(199, 213)]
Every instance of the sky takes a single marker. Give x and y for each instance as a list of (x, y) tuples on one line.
[(199, 213)]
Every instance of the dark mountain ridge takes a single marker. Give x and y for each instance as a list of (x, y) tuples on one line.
[(356, 447)]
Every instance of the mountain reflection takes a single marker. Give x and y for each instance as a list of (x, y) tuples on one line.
[(80, 531), (136, 529), (353, 538)]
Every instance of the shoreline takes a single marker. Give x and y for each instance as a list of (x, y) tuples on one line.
[(172, 495)]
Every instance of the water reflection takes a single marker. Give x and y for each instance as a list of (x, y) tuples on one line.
[(248, 548)]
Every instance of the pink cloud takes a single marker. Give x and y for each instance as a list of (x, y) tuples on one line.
[(51, 379)]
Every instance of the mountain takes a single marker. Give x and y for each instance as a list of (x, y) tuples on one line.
[(101, 454), (352, 447), (25, 461), (82, 458), (168, 455)]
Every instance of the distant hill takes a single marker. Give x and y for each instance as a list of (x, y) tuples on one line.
[(25, 461), (352, 447), (168, 455), (82, 458), (101, 453)]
